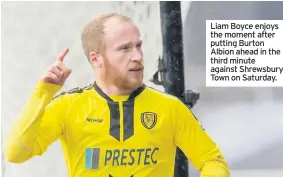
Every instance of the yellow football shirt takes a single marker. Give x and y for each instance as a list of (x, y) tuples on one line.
[(116, 136)]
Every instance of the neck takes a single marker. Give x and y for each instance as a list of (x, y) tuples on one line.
[(112, 89)]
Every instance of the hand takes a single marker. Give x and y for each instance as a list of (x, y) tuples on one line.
[(58, 72)]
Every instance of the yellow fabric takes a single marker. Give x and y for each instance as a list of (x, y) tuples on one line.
[(92, 147), (215, 168), (119, 98)]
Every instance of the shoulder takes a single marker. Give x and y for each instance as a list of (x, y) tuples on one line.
[(74, 93), (162, 96)]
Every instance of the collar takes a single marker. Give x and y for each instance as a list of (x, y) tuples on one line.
[(131, 97)]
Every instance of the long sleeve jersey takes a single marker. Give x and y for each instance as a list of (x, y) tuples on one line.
[(113, 136)]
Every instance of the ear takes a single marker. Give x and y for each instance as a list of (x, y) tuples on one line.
[(95, 59)]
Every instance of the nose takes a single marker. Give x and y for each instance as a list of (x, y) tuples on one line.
[(137, 55)]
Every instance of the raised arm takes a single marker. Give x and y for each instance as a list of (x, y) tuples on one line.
[(41, 121)]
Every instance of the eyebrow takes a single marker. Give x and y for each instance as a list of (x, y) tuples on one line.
[(128, 43), (140, 42)]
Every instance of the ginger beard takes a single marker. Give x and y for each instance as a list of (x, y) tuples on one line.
[(123, 78)]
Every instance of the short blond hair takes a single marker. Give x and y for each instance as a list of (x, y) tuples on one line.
[(93, 33)]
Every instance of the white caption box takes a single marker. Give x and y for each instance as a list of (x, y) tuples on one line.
[(244, 53)]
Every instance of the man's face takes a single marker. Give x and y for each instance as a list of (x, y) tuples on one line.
[(122, 56)]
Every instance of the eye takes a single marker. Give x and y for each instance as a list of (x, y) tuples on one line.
[(139, 45), (125, 47)]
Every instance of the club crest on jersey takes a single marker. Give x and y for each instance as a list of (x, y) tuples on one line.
[(148, 119)]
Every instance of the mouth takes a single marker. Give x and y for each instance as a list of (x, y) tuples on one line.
[(136, 69)]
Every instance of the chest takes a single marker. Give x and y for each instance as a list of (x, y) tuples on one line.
[(117, 123)]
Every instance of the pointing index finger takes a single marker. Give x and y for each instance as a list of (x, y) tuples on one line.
[(63, 54)]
